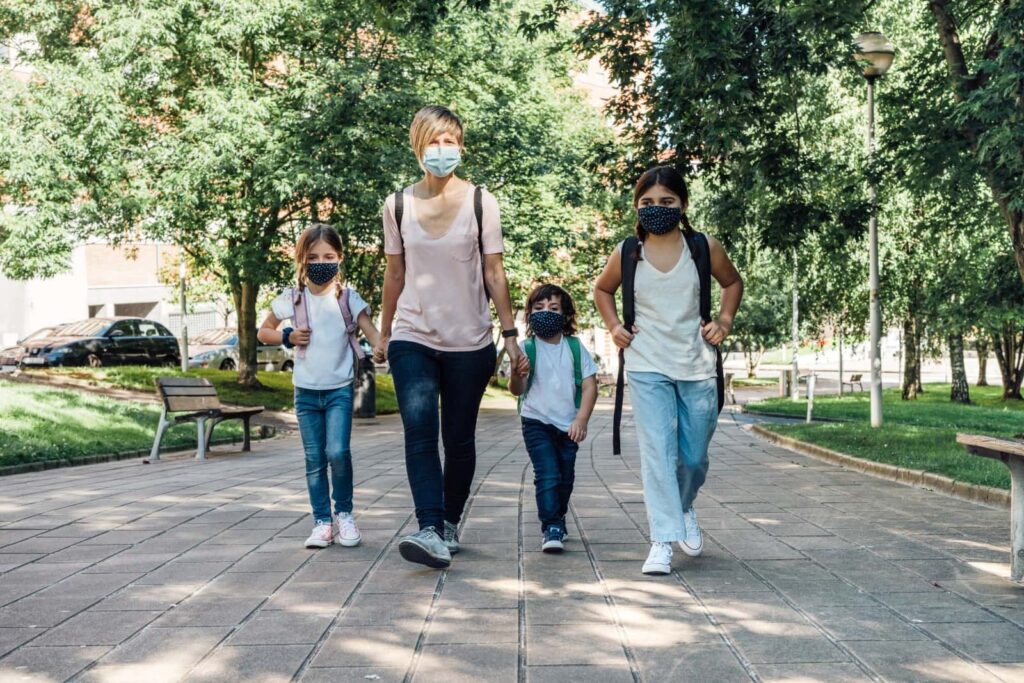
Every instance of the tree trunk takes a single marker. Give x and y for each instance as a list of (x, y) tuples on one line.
[(753, 360), (918, 334), (982, 345), (960, 392), (245, 293), (1008, 344), (912, 363)]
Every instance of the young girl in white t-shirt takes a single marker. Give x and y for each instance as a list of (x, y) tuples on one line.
[(326, 317), (557, 390)]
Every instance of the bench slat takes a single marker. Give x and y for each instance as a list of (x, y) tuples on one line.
[(188, 391), (991, 444), (188, 404), (183, 382)]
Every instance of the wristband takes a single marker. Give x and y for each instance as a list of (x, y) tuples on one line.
[(284, 338), (508, 334)]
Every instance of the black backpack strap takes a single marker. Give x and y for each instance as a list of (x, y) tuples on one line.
[(478, 210), (399, 211), (630, 255), (700, 248)]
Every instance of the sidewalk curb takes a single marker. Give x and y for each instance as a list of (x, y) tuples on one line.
[(972, 493)]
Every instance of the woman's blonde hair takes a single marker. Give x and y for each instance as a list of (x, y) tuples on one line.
[(316, 233), (430, 122)]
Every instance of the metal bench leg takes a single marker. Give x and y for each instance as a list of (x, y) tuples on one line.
[(1016, 466), (154, 453), (209, 433), (245, 434), (201, 438)]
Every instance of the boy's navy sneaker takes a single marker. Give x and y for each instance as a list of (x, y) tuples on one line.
[(553, 540)]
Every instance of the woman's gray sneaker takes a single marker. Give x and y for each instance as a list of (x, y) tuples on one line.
[(426, 547), (451, 537)]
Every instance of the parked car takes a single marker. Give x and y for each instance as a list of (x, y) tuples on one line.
[(218, 349), (10, 358), (104, 341)]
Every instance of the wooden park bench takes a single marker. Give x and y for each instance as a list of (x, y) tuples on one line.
[(196, 398), (855, 379), (1011, 453)]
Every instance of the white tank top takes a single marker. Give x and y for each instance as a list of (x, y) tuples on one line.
[(668, 316)]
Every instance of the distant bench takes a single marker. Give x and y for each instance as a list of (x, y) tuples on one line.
[(197, 399), (854, 379), (1011, 453)]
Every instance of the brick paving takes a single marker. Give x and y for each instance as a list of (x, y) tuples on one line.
[(195, 571)]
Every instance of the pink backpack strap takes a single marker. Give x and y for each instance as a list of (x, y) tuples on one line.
[(351, 327), (300, 316)]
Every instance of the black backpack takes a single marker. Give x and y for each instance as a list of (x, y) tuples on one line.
[(478, 211), (700, 250)]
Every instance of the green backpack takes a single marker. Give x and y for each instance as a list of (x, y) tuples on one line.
[(530, 346)]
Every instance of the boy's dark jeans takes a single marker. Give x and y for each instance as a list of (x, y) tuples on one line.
[(459, 378), (553, 455)]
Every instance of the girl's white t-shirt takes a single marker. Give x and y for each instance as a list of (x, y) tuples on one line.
[(328, 363), (670, 341), (552, 395)]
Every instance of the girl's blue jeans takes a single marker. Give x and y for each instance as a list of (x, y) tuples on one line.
[(325, 423)]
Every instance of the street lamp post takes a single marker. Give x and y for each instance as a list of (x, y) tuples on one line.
[(875, 53), (184, 323)]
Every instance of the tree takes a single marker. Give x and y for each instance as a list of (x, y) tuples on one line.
[(227, 127)]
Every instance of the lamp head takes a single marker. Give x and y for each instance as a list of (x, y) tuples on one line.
[(874, 52)]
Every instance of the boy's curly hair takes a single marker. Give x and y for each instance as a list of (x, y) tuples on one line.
[(544, 292)]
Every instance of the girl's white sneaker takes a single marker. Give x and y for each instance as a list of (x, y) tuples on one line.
[(659, 561), (322, 535), (693, 544), (346, 531)]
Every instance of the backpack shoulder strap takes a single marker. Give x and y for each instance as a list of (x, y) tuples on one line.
[(351, 328), (577, 367), (399, 212), (300, 315), (478, 211), (530, 349), (700, 250), (630, 254)]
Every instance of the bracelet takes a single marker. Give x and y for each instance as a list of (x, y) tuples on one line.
[(508, 334), (284, 338)]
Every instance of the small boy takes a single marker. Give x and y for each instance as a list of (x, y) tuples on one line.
[(557, 393)]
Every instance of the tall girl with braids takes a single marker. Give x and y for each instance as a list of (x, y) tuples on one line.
[(326, 316), (670, 357)]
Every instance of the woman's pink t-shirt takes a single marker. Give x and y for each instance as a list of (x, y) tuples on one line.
[(443, 305)]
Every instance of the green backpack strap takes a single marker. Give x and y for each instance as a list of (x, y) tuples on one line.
[(530, 348), (577, 367)]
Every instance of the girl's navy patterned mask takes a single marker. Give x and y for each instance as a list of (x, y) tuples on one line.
[(546, 324), (321, 273), (658, 220)]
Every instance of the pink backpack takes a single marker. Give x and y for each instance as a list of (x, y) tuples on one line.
[(302, 320)]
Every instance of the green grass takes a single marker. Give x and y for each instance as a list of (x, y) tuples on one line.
[(41, 423), (754, 382), (275, 394), (915, 434)]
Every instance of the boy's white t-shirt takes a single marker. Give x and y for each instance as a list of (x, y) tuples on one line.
[(328, 362), (552, 396)]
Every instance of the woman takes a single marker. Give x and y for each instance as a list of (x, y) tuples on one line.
[(443, 241), (670, 357)]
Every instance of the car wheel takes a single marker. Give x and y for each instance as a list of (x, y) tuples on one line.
[(287, 366), (94, 360), (228, 364)]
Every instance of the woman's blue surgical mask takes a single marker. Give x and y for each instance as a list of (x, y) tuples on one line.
[(441, 160)]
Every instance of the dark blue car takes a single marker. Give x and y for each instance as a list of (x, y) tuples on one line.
[(104, 341)]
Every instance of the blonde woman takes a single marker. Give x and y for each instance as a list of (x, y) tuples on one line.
[(443, 241)]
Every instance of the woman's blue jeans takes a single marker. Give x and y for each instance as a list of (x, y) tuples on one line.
[(325, 423), (458, 379), (675, 421)]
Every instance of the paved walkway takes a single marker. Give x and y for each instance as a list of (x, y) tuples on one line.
[(186, 570)]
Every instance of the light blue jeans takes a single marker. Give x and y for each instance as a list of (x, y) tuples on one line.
[(674, 424), (325, 423)]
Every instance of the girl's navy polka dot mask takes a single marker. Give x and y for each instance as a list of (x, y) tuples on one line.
[(658, 220), (321, 273), (546, 324)]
